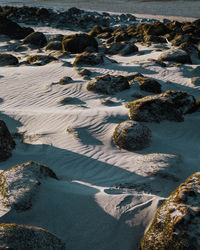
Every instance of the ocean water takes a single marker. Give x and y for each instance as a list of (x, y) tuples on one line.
[(180, 8)]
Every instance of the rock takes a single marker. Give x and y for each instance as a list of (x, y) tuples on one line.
[(8, 59), (42, 13), (108, 84), (178, 39), (13, 236), (96, 30), (171, 105), (122, 48), (149, 84), (37, 39), (86, 58), (132, 135), (176, 223), (132, 76), (84, 72), (20, 184), (54, 45), (7, 143), (155, 29), (195, 81), (154, 39), (65, 80), (12, 29), (40, 60), (77, 43), (175, 55)]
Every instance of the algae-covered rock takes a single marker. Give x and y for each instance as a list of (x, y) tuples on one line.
[(40, 60), (65, 80), (77, 43), (21, 237), (7, 143), (108, 84), (171, 105), (148, 84), (20, 184), (8, 59), (176, 223), (122, 48), (175, 55), (37, 39), (132, 135), (90, 59)]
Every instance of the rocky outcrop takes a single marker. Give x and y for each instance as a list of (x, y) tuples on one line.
[(132, 135), (13, 236), (175, 55), (20, 184), (108, 84), (8, 59), (78, 43), (171, 105), (7, 143), (37, 39), (176, 223)]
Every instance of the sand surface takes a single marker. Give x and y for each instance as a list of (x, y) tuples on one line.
[(106, 196)]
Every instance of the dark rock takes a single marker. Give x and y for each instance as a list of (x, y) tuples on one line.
[(37, 39), (178, 39), (54, 45), (132, 135), (155, 29), (149, 84), (171, 105), (56, 37), (154, 39), (13, 236), (86, 58), (7, 143), (176, 223), (20, 184), (42, 12), (84, 72), (8, 59), (122, 48), (77, 43), (195, 81), (95, 31), (40, 60), (108, 84), (65, 80), (132, 76), (175, 55), (12, 29)]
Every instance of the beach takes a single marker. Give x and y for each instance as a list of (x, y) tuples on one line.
[(104, 196)]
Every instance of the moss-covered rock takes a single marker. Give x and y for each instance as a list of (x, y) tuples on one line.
[(96, 30), (171, 105), (155, 29), (37, 39), (175, 55), (20, 184), (65, 80), (148, 84), (8, 59), (21, 237), (40, 60), (7, 143), (176, 223), (88, 59), (132, 135), (122, 48), (77, 43), (108, 84)]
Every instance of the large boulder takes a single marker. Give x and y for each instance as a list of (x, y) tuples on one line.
[(175, 55), (176, 223), (148, 84), (12, 29), (8, 59), (21, 237), (171, 105), (78, 43), (20, 184), (7, 143), (132, 135), (37, 39), (108, 84)]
